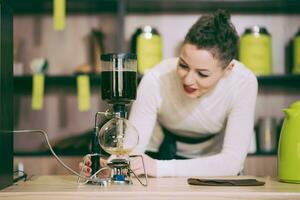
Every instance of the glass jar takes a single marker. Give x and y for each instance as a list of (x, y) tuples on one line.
[(148, 48), (296, 56), (256, 50)]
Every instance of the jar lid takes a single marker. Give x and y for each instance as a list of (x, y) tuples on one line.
[(123, 56), (295, 104), (298, 33), (257, 30), (149, 29)]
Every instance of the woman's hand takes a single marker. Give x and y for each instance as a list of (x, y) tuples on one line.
[(85, 167), (136, 165)]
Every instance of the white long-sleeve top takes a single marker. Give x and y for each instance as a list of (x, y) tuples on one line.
[(227, 110)]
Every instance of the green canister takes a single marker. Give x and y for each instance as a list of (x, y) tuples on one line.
[(148, 49), (296, 56), (256, 50)]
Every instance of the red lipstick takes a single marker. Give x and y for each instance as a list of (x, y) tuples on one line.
[(188, 89)]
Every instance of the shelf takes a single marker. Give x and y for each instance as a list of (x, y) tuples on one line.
[(234, 6), (23, 84), (263, 154), (41, 153), (22, 7), (82, 153), (279, 82), (52, 81)]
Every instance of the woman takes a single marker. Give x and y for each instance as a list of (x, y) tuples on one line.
[(204, 101)]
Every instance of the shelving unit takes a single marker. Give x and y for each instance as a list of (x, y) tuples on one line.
[(121, 8)]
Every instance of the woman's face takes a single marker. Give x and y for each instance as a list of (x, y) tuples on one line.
[(198, 70)]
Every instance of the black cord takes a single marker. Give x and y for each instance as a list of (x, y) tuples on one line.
[(24, 176)]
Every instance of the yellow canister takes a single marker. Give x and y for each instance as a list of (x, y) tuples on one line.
[(256, 50), (296, 56), (149, 49)]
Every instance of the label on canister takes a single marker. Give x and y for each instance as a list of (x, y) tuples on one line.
[(296, 67), (256, 53), (149, 51), (59, 14), (83, 92), (38, 84)]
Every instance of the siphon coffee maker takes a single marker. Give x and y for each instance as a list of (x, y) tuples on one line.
[(113, 132)]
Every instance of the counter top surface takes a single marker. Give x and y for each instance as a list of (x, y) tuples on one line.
[(66, 187)]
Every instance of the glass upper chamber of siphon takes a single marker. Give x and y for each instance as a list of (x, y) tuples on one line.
[(118, 88), (119, 78)]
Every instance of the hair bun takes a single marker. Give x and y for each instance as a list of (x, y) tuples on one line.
[(221, 18), (222, 15), (215, 33)]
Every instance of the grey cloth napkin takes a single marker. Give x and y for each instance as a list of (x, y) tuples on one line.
[(225, 182)]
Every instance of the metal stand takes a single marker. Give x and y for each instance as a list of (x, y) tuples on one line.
[(121, 171)]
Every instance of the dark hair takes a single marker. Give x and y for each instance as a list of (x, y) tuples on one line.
[(216, 34)]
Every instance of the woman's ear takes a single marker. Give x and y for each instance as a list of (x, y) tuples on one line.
[(229, 68)]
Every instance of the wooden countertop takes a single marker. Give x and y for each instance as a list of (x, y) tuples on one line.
[(66, 187)]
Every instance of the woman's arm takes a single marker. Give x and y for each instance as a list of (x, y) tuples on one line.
[(143, 114), (238, 133)]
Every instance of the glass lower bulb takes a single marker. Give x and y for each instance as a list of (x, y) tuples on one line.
[(118, 137)]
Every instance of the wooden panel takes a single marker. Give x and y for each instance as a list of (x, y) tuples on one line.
[(261, 166), (47, 165)]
